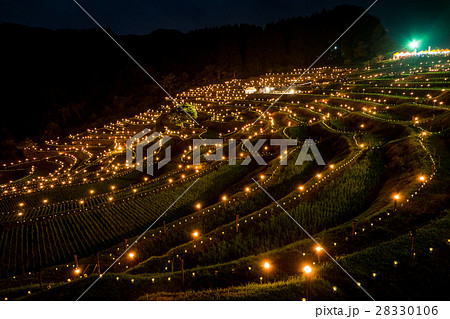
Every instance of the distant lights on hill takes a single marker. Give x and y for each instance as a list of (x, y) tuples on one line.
[(429, 52)]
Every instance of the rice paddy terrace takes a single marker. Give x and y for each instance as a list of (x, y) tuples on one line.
[(72, 207)]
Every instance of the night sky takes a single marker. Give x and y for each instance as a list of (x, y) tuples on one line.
[(405, 19)]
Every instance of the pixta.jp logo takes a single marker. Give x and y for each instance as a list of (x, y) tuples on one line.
[(155, 142)]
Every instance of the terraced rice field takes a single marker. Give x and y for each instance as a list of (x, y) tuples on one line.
[(214, 231)]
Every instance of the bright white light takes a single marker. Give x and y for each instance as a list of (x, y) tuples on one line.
[(414, 44)]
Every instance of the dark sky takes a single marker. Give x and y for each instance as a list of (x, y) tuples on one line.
[(406, 19)]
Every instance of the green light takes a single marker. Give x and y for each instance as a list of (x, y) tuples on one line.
[(414, 44)]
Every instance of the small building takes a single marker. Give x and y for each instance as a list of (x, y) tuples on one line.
[(250, 90)]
